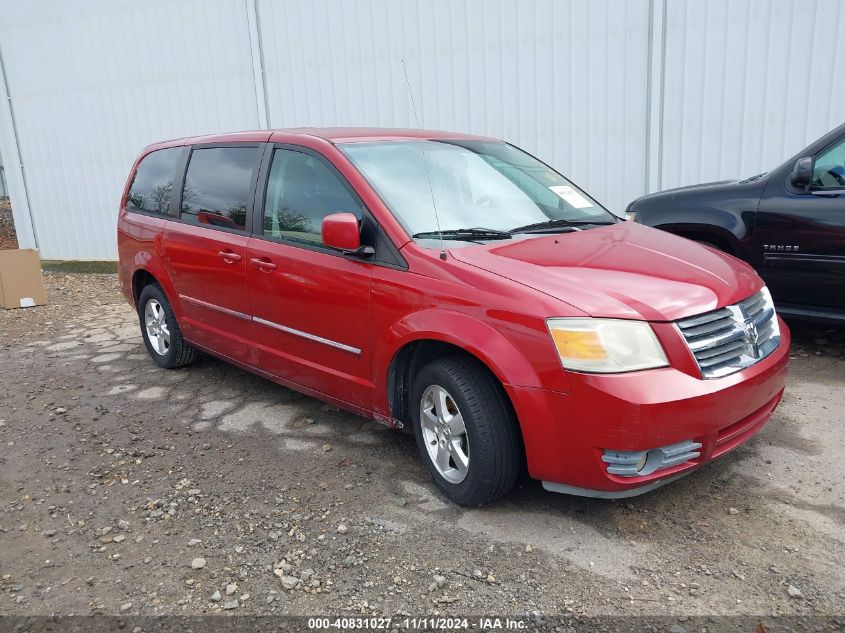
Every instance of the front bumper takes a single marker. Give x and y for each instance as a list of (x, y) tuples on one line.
[(566, 434)]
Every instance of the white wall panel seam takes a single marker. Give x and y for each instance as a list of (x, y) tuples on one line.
[(257, 55), (747, 85), (14, 169), (654, 105), (96, 82)]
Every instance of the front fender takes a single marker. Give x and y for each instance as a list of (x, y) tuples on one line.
[(725, 210), (720, 224), (475, 336)]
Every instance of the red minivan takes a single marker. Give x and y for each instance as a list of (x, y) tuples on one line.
[(459, 285)]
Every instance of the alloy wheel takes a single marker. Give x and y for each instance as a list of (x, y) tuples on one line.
[(444, 434), (158, 332)]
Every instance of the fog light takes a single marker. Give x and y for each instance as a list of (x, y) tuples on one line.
[(641, 463)]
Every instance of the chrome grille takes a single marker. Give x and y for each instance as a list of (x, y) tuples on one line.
[(732, 338)]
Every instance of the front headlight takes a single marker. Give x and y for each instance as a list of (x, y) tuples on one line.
[(606, 346)]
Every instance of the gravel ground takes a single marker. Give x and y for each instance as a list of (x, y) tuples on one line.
[(129, 489), (8, 239)]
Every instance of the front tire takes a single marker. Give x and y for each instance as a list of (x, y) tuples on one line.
[(466, 431), (160, 330)]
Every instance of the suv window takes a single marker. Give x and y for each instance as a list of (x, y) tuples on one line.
[(301, 191), (829, 167), (217, 183), (152, 186)]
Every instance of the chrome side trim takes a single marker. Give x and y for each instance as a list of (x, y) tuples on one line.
[(271, 324), (306, 335), (212, 306)]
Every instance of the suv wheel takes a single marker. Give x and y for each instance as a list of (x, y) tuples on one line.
[(160, 330), (465, 430)]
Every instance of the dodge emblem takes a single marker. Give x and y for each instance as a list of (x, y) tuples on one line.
[(751, 333)]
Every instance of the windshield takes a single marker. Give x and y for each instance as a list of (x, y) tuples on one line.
[(474, 184)]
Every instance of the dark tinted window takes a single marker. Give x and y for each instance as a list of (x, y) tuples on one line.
[(152, 186), (216, 187), (829, 167), (301, 191)]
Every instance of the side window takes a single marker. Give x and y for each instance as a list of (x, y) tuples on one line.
[(829, 167), (216, 190), (301, 191), (152, 186)]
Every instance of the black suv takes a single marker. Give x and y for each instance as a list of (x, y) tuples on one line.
[(789, 224)]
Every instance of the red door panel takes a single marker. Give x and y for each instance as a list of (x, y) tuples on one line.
[(311, 318), (208, 269)]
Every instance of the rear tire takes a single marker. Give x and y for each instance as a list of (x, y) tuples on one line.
[(160, 330), (482, 463)]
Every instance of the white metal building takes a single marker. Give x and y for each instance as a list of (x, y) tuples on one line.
[(624, 96), (3, 192)]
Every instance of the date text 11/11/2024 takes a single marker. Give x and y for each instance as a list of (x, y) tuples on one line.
[(418, 623)]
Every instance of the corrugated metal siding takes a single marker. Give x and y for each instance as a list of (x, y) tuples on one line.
[(748, 84), (744, 85), (3, 191), (93, 82), (565, 80)]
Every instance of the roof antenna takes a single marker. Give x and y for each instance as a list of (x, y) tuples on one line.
[(425, 162)]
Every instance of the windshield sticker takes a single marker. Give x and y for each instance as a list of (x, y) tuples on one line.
[(571, 197)]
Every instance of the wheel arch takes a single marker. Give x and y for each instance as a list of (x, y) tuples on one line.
[(152, 273), (719, 236), (408, 360), (425, 336), (141, 278)]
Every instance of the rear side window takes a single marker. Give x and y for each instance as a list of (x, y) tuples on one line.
[(152, 186), (301, 191), (217, 186)]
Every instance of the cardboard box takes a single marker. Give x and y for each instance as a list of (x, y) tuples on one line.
[(21, 285)]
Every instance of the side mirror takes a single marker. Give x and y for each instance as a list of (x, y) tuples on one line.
[(341, 231), (802, 173)]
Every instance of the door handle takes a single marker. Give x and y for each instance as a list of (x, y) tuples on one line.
[(265, 265), (230, 257)]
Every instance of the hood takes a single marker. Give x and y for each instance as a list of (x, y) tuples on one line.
[(722, 193), (624, 271), (704, 187)]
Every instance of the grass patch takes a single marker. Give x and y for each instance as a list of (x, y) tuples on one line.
[(96, 267)]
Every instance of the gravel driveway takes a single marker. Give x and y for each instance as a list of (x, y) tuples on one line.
[(130, 489), (8, 239)]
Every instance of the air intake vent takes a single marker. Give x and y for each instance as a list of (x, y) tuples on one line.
[(733, 338), (640, 463)]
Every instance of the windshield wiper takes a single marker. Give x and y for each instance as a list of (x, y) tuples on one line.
[(548, 225), (470, 234)]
